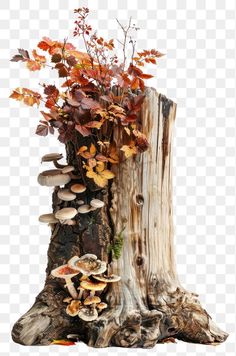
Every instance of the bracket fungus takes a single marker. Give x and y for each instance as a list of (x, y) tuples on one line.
[(53, 177), (87, 264), (48, 218), (53, 157), (67, 273)]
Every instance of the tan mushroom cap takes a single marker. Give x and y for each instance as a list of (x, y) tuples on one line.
[(67, 169), (51, 157), (48, 218), (96, 203), (88, 314), (101, 306), (53, 177), (96, 286), (78, 188), (88, 264), (84, 209), (73, 308), (80, 202), (92, 300), (66, 195), (66, 213), (108, 279), (64, 271)]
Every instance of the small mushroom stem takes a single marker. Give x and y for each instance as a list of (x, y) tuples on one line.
[(71, 288), (81, 291), (92, 293), (58, 165)]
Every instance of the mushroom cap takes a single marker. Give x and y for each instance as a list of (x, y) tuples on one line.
[(78, 188), (67, 169), (87, 264), (64, 271), (101, 306), (92, 300), (97, 203), (80, 202), (48, 218), (53, 177), (51, 157), (73, 308), (88, 314), (65, 194), (66, 213), (84, 209), (90, 285), (107, 279)]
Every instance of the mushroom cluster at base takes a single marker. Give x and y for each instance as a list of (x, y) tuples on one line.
[(63, 174), (83, 301)]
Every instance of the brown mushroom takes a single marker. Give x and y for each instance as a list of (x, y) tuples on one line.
[(67, 273), (73, 308), (93, 286), (53, 177), (92, 300), (88, 314), (87, 264), (101, 306), (107, 279), (78, 188)]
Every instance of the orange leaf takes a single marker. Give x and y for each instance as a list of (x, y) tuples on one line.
[(29, 97), (33, 65), (62, 342), (146, 76), (37, 57), (135, 83), (94, 124)]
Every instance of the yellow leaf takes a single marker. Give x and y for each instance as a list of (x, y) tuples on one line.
[(107, 174), (101, 175), (29, 97), (129, 150), (100, 166), (92, 149)]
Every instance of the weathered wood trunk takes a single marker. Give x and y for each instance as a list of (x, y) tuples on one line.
[(148, 305)]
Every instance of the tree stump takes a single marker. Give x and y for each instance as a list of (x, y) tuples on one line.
[(148, 305)]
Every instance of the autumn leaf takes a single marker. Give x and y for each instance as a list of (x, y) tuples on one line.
[(129, 150), (82, 130), (94, 124), (100, 175), (29, 97), (89, 104), (62, 342), (113, 154), (42, 130), (85, 153), (140, 140), (146, 76)]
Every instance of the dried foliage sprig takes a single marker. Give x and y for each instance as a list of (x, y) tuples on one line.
[(86, 101)]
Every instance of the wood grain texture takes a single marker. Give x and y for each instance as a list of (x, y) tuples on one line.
[(148, 305)]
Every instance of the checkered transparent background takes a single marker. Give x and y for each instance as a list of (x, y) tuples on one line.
[(198, 72)]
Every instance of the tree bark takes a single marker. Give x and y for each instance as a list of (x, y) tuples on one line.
[(148, 305)]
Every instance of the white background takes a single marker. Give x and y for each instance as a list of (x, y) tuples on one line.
[(198, 72)]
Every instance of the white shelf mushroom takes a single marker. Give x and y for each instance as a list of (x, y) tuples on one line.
[(65, 215), (53, 157), (48, 218), (84, 209), (53, 177), (66, 195), (97, 203)]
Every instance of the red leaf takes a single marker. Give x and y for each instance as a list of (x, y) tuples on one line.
[(82, 130), (90, 104), (42, 130), (146, 76), (56, 57), (51, 90), (135, 83)]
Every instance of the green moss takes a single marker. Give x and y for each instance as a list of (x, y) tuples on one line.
[(116, 247)]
